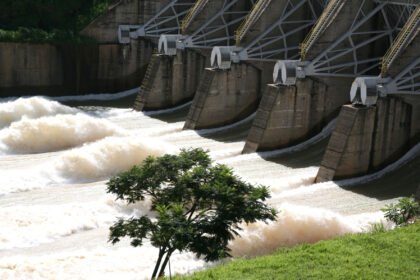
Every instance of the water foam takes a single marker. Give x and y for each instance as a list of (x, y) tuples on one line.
[(23, 179), (32, 108), (28, 226), (108, 157), (297, 225), (54, 133), (98, 263)]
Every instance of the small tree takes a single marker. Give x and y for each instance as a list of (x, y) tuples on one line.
[(199, 205), (406, 211)]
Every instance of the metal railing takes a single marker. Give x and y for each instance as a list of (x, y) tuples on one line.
[(252, 17), (405, 36), (332, 8), (198, 6)]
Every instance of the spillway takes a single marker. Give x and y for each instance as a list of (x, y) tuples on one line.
[(55, 212)]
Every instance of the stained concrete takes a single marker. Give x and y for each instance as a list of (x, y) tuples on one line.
[(348, 152), (392, 132), (124, 12), (170, 80), (176, 78), (55, 69), (224, 97), (290, 114), (367, 139)]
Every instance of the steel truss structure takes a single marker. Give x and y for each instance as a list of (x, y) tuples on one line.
[(365, 90), (275, 42), (166, 21), (344, 57), (217, 30)]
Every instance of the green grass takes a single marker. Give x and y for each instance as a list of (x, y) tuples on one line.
[(381, 255)]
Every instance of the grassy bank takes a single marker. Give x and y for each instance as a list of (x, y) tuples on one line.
[(385, 255)]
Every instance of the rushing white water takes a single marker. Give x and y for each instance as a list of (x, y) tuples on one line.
[(54, 133), (297, 225), (32, 108), (55, 212), (108, 157)]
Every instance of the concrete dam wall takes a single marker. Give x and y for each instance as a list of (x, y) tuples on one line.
[(297, 65), (48, 69)]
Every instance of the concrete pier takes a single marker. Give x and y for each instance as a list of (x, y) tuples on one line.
[(301, 110), (224, 97), (170, 80), (348, 152), (177, 78), (290, 114), (255, 37), (367, 139)]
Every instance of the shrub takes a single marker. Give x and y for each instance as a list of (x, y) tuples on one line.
[(406, 211)]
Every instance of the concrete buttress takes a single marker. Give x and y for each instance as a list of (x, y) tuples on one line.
[(224, 97), (170, 80), (367, 139)]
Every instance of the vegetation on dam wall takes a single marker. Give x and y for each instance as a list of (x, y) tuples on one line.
[(42, 51), (47, 20)]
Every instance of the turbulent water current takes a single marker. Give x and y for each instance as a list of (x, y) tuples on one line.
[(55, 212)]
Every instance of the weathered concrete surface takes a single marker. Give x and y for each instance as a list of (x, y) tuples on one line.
[(224, 97), (418, 194), (348, 152), (176, 78), (290, 114), (65, 69), (170, 81), (130, 12), (392, 131), (367, 139)]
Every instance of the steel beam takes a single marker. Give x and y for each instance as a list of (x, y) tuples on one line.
[(346, 55)]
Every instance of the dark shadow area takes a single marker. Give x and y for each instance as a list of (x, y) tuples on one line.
[(171, 116), (232, 134), (310, 156), (124, 102), (398, 183)]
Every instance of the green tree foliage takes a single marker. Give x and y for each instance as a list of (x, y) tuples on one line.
[(406, 211), (198, 206), (47, 20), (48, 14)]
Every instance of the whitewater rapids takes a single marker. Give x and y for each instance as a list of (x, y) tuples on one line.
[(55, 211), (31, 108)]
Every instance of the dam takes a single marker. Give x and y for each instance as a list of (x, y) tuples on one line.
[(318, 100)]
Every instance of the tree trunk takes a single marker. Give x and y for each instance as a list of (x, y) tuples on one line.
[(165, 262), (158, 261)]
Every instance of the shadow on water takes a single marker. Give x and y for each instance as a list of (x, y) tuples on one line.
[(230, 134), (402, 182), (124, 102), (171, 115), (310, 156)]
